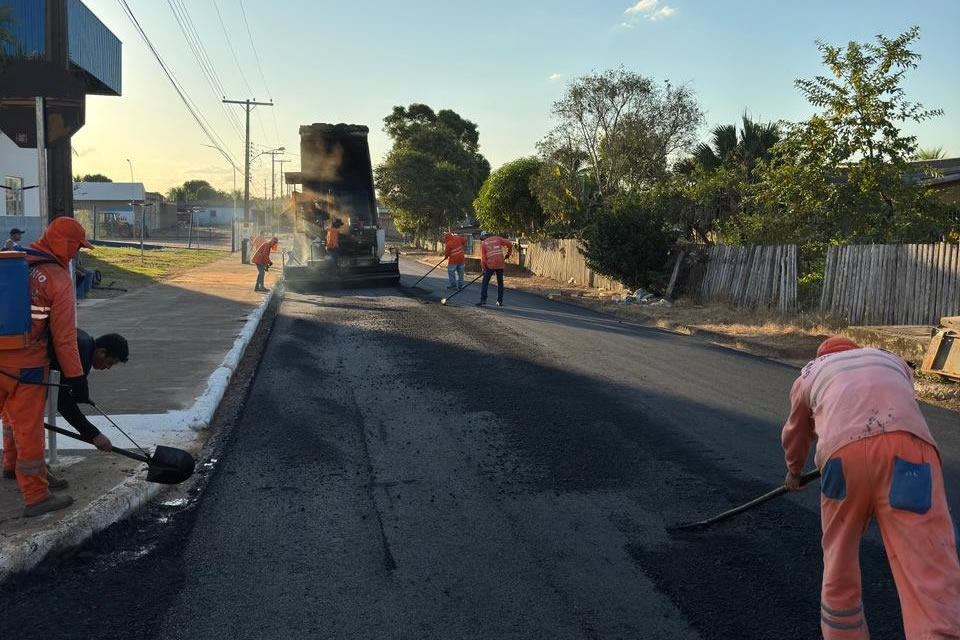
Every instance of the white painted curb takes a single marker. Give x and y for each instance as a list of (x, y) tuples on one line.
[(132, 494)]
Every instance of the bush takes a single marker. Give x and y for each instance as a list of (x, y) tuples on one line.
[(629, 240)]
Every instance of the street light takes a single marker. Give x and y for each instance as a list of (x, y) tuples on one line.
[(130, 164), (233, 221)]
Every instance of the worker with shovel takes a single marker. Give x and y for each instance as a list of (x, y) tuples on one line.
[(24, 362), (262, 259), (453, 252), (103, 353), (878, 460), (492, 261)]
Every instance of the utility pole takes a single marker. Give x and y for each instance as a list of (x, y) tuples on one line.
[(248, 106), (273, 179), (283, 184)]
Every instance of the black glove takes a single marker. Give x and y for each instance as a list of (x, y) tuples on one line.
[(79, 390)]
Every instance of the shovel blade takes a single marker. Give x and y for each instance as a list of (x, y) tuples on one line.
[(169, 465)]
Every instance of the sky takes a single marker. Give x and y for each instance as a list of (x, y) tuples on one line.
[(499, 63)]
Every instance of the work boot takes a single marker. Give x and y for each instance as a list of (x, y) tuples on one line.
[(451, 286), (9, 475), (52, 503), (481, 304), (55, 483), (499, 303)]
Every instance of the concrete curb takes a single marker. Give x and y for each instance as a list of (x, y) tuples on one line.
[(129, 496)]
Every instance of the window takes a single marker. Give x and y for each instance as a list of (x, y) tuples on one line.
[(14, 195)]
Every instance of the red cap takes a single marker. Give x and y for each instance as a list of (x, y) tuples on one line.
[(836, 344)]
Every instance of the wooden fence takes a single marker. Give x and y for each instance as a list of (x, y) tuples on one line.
[(761, 276), (892, 284), (561, 260)]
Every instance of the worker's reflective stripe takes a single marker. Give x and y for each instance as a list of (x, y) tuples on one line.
[(495, 250), (845, 613), (456, 252), (843, 626), (829, 370), (39, 316), (34, 307), (31, 467)]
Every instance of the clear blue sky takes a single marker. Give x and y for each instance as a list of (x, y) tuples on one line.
[(498, 63)]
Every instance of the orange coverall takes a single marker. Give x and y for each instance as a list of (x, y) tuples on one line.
[(22, 394), (878, 460)]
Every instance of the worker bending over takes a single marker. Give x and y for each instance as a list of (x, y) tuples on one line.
[(262, 259), (23, 370), (333, 238), (878, 460), (453, 252), (101, 354), (492, 261)]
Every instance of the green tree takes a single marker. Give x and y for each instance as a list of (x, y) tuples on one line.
[(564, 187), (506, 202), (196, 190), (842, 176), (630, 240), (432, 174), (626, 125), (929, 153), (92, 177), (712, 183), (8, 39)]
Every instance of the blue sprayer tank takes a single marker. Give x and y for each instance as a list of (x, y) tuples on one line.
[(14, 300)]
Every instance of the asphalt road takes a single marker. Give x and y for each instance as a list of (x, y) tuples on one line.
[(408, 470)]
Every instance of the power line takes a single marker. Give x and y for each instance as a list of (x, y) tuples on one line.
[(232, 50), (209, 72), (181, 92), (263, 78)]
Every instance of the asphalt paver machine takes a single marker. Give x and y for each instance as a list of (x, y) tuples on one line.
[(336, 179)]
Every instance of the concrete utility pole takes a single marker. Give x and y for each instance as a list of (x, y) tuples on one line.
[(283, 185), (248, 106), (273, 179)]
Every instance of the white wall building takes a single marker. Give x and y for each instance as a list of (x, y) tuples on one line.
[(19, 197)]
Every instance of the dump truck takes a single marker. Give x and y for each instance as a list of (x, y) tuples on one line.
[(336, 179)]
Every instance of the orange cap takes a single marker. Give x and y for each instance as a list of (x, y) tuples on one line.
[(836, 344)]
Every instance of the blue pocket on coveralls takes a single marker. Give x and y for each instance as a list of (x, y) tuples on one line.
[(32, 375), (912, 487), (832, 483)]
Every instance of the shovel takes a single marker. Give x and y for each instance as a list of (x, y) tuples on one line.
[(167, 465), (443, 301), (428, 272), (805, 479)]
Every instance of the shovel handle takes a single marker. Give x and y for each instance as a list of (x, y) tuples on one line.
[(429, 272), (805, 479), (77, 436)]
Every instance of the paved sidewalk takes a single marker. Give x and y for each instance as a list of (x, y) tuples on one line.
[(186, 335)]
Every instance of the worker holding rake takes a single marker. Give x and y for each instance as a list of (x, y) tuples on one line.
[(878, 460)]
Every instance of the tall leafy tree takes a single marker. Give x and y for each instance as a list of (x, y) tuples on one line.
[(843, 175), (434, 171), (564, 186), (506, 202), (196, 190), (92, 177), (626, 125)]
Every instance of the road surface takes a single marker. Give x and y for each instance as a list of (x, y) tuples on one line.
[(408, 470)]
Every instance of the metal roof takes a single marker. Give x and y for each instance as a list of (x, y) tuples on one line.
[(108, 192)]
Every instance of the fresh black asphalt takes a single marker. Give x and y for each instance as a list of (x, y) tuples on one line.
[(407, 470)]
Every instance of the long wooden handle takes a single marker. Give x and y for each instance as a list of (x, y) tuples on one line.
[(805, 479), (77, 436)]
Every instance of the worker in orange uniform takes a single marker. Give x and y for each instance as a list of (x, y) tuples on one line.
[(878, 460), (453, 252), (262, 259), (492, 260), (23, 371), (333, 238)]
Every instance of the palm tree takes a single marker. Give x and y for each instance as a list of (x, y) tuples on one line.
[(7, 37), (930, 153), (735, 150)]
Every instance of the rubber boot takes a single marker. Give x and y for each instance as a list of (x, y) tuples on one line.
[(56, 483), (52, 503)]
